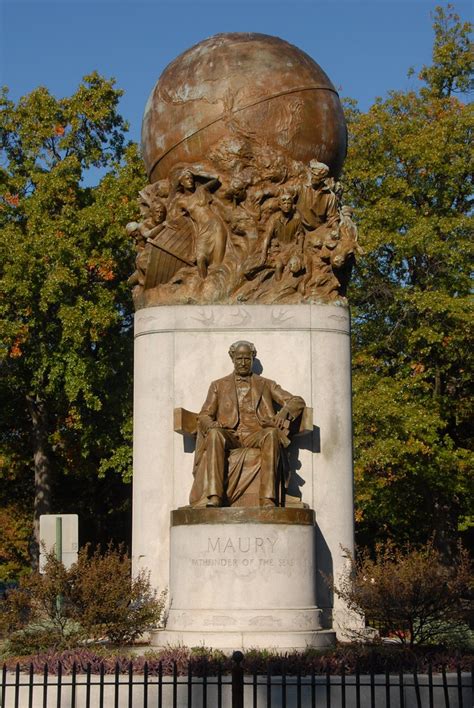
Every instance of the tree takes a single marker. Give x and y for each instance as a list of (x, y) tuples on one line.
[(409, 176), (15, 532), (65, 308)]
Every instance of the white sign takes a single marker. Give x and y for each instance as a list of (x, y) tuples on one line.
[(69, 537)]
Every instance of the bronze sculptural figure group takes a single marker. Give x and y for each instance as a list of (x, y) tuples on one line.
[(246, 225)]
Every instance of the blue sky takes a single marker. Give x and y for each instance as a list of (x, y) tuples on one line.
[(366, 47)]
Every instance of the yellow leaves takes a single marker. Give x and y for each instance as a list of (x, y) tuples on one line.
[(15, 529), (73, 419), (364, 359), (417, 369), (417, 446)]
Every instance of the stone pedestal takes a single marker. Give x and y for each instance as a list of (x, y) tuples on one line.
[(243, 578), (179, 350)]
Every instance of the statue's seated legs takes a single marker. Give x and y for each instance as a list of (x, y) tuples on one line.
[(269, 443), (242, 466), (218, 442), (247, 469)]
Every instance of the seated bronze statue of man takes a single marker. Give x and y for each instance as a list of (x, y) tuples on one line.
[(238, 420)]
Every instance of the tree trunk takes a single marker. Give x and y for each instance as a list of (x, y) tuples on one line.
[(42, 465), (445, 524)]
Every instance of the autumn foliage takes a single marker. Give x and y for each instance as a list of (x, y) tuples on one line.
[(410, 594), (408, 176), (66, 310), (97, 598)]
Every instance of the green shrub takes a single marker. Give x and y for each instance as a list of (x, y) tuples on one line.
[(38, 638), (455, 635)]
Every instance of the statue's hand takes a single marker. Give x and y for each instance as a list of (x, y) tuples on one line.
[(206, 423), (214, 424), (279, 419)]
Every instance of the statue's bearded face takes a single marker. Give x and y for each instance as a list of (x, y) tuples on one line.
[(243, 361)]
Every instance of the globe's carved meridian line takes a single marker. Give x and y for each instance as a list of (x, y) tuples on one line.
[(237, 110)]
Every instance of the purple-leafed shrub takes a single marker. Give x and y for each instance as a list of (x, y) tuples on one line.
[(377, 658)]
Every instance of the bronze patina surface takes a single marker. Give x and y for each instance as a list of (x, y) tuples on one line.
[(243, 139), (267, 87), (251, 515), (240, 437)]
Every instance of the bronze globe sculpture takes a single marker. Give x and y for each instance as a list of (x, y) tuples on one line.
[(259, 85), (243, 140)]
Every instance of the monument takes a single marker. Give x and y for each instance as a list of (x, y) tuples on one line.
[(244, 246), (238, 417)]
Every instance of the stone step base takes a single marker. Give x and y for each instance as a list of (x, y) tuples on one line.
[(267, 619), (230, 641)]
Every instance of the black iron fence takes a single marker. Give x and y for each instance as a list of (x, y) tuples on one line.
[(155, 689)]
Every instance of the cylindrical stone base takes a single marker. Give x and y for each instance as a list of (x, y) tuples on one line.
[(179, 350), (243, 578)]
